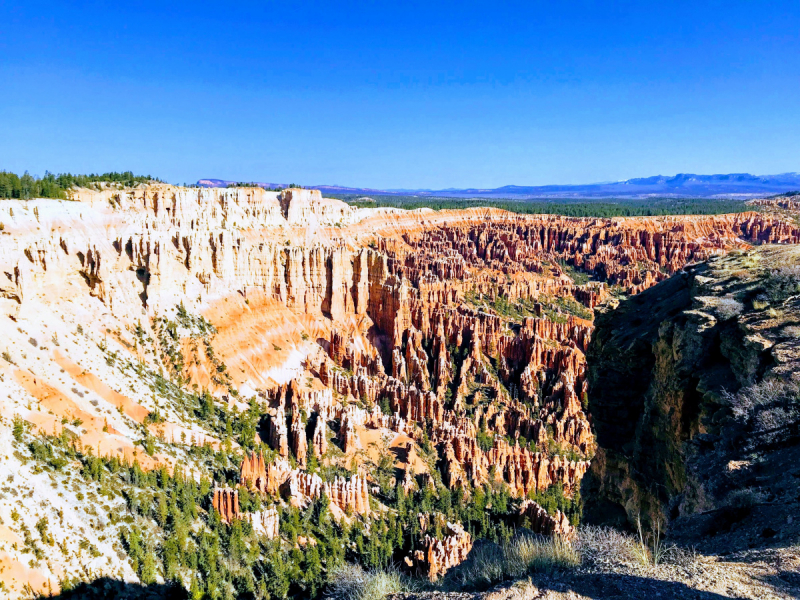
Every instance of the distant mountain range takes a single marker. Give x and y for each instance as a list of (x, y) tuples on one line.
[(681, 185)]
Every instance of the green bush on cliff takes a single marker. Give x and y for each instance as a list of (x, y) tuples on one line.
[(782, 284)]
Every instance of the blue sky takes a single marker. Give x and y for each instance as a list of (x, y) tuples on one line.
[(401, 94)]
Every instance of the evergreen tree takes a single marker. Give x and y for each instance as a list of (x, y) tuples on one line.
[(18, 429), (148, 572), (312, 570)]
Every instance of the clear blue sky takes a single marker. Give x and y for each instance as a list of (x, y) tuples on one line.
[(401, 94)]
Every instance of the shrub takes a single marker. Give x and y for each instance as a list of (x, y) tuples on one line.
[(744, 498), (782, 283), (604, 546), (769, 409), (351, 582), (728, 308), (19, 428), (43, 451), (609, 548), (749, 400)]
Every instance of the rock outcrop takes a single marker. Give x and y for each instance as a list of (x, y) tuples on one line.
[(350, 495), (537, 519), (694, 394), (265, 522), (298, 442), (253, 472), (226, 502), (320, 439)]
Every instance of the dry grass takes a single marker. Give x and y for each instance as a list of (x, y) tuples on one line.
[(352, 582), (523, 554), (650, 547)]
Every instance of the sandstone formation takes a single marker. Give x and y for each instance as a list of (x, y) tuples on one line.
[(320, 440), (265, 522), (298, 442), (537, 519), (253, 472), (437, 556), (226, 503), (350, 495)]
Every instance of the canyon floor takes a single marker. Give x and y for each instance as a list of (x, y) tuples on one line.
[(237, 391)]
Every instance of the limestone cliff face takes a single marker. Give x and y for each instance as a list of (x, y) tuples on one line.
[(153, 245), (693, 395)]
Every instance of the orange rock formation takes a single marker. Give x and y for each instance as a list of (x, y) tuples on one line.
[(436, 556), (539, 521), (226, 503)]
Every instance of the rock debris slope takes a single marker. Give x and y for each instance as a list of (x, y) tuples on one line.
[(279, 351)]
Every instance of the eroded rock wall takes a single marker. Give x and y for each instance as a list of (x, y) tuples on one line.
[(693, 395)]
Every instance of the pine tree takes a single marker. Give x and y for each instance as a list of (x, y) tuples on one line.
[(312, 463), (400, 501), (19, 428), (312, 569), (162, 511), (147, 575), (276, 577), (196, 591)]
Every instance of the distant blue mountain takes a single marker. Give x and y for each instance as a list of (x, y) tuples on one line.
[(681, 185)]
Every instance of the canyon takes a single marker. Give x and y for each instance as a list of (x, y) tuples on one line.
[(294, 357)]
